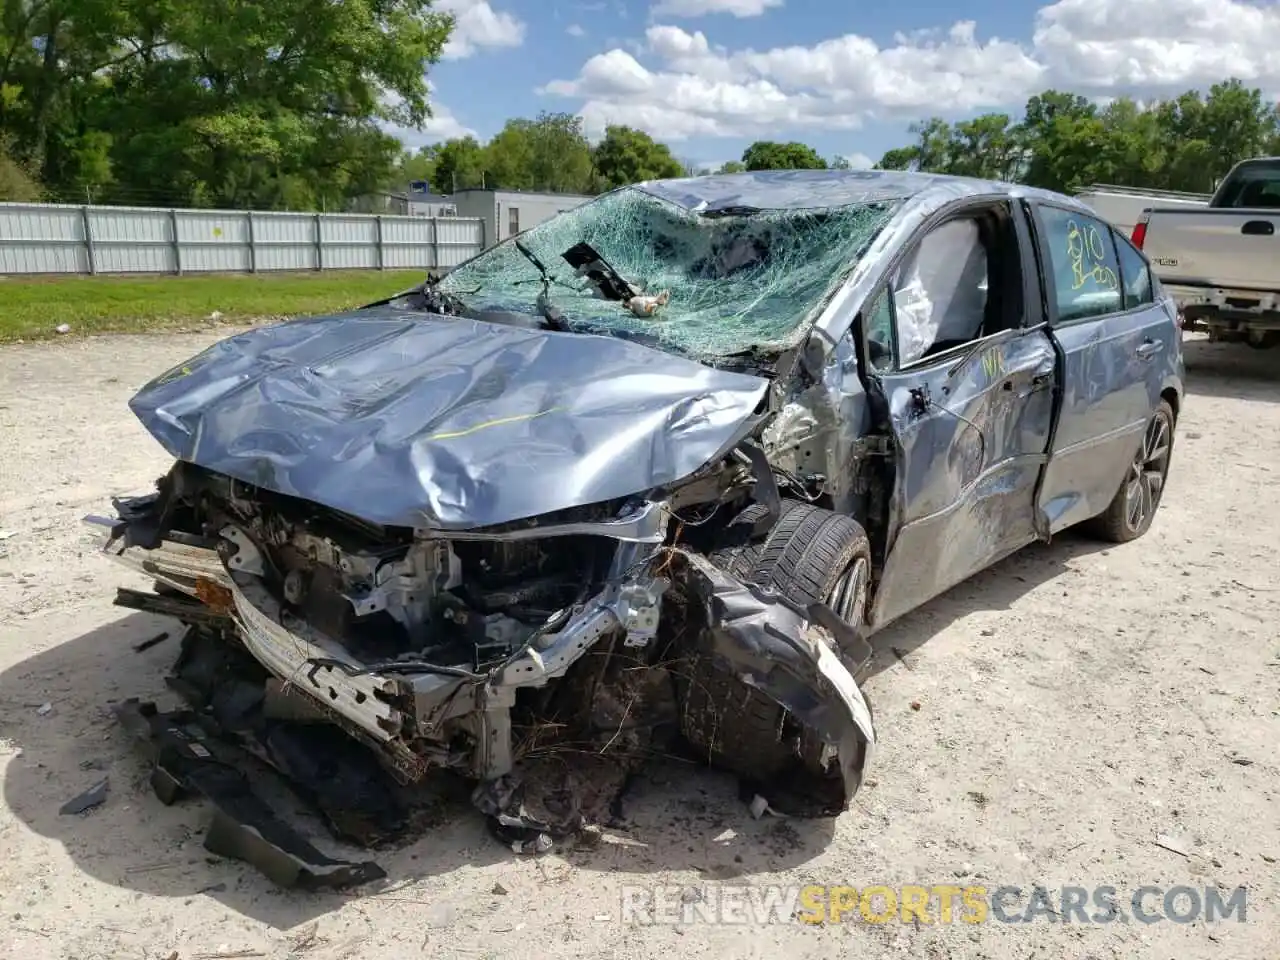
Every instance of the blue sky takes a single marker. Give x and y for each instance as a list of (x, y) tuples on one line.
[(710, 76)]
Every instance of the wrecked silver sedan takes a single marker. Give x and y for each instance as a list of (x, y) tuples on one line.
[(641, 479)]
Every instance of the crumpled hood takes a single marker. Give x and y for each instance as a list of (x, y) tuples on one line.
[(416, 419)]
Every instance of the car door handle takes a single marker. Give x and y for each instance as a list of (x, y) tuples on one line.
[(1259, 228), (1147, 349)]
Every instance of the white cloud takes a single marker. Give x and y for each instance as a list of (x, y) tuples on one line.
[(703, 8), (680, 84), (442, 125), (859, 161), (574, 30), (698, 89), (1160, 45), (477, 25)]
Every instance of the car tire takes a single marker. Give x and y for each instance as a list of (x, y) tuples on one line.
[(1133, 508), (1265, 341), (809, 556)]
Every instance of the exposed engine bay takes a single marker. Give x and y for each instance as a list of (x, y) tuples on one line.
[(604, 629)]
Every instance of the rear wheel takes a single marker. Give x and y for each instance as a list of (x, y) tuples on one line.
[(1263, 339), (810, 556), (1134, 506)]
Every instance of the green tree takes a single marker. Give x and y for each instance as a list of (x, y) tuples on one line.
[(626, 155), (16, 183), (460, 165), (899, 158), (769, 155), (733, 166), (989, 147), (1064, 142), (416, 165), (232, 102), (547, 153)]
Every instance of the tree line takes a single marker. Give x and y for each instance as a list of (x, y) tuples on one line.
[(552, 153), (1065, 141), (236, 103), (233, 103)]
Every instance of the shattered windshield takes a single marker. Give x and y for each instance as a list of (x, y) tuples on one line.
[(707, 285)]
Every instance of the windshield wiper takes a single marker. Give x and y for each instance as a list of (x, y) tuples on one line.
[(553, 317)]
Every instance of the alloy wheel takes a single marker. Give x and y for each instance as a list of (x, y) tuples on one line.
[(849, 595), (1144, 483)]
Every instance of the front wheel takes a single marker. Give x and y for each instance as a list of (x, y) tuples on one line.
[(1134, 506), (811, 555)]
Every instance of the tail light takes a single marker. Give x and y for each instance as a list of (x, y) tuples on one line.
[(1139, 233)]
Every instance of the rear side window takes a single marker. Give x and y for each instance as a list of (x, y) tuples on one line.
[(1135, 275), (1086, 270)]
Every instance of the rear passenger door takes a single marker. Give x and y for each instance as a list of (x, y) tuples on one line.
[(1110, 336)]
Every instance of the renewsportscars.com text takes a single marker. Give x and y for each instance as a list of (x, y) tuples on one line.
[(935, 904)]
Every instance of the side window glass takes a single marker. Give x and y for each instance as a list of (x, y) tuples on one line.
[(1086, 271), (1135, 273), (878, 324)]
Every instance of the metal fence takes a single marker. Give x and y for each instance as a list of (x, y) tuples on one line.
[(41, 238)]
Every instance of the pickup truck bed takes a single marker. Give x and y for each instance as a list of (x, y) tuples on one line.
[(1221, 263)]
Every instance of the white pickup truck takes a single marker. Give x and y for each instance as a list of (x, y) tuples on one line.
[(1221, 262)]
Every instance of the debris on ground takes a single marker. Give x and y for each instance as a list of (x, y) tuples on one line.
[(148, 644), (244, 827), (91, 798), (306, 937), (44, 709), (1172, 844), (62, 328)]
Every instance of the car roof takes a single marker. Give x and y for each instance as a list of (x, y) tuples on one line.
[(808, 189)]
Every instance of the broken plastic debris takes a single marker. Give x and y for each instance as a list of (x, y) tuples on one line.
[(540, 843), (760, 806), (63, 328), (91, 798), (44, 709)]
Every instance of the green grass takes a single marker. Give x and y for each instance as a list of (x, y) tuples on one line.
[(32, 308)]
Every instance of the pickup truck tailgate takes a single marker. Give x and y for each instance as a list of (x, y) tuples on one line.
[(1233, 248)]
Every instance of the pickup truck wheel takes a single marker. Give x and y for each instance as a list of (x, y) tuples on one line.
[(811, 555), (1134, 506), (1264, 340)]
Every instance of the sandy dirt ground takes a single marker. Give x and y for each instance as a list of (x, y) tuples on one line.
[(1043, 723)]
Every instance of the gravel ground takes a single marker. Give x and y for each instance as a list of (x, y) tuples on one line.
[(1044, 722)]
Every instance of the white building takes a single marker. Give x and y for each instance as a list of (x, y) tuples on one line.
[(508, 212), (421, 202)]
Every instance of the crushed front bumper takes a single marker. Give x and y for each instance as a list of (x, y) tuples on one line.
[(786, 653)]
